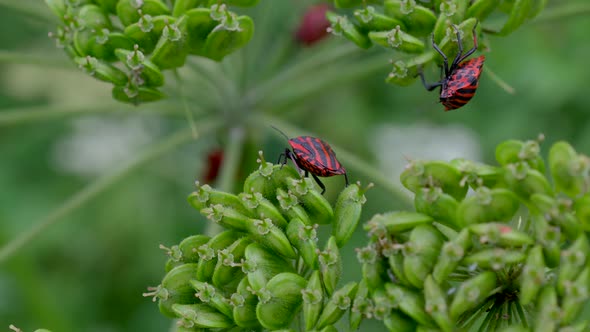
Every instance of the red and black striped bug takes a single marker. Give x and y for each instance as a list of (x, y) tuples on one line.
[(313, 156), (461, 79)]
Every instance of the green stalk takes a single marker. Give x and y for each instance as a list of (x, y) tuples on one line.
[(21, 58), (24, 115), (349, 159), (31, 9), (563, 12), (101, 184), (323, 79), (302, 68)]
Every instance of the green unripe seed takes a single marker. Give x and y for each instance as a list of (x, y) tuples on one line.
[(284, 303), (422, 251), (410, 303), (398, 40), (304, 239), (370, 20), (347, 213), (487, 205), (419, 20), (315, 204), (472, 293), (202, 315), (330, 265), (313, 296), (338, 304), (341, 26)]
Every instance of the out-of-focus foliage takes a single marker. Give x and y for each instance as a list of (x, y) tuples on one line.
[(87, 272)]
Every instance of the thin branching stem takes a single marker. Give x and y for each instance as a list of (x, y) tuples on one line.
[(37, 59), (101, 184)]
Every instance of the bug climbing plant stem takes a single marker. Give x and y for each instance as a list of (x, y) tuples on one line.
[(103, 183)]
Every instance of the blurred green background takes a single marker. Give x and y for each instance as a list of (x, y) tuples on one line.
[(60, 133)]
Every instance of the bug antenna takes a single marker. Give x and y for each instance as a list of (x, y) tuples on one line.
[(282, 133)]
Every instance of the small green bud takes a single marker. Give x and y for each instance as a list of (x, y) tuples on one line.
[(201, 316), (436, 304), (181, 6), (272, 237), (143, 71), (360, 305), (477, 174), (501, 234), (172, 48), (396, 264), (422, 251), (261, 265), (230, 35), (212, 296), (130, 11), (338, 304), (92, 17), (582, 208), (244, 303), (525, 181), (548, 312), (205, 196), (384, 224), (487, 205), (136, 95), (186, 251), (304, 239), (315, 204), (410, 303), (568, 170), (495, 258), (398, 40), (290, 206), (285, 302), (175, 288), (419, 20), (347, 212), (264, 208), (533, 276), (419, 174), (573, 260), (576, 295), (440, 206), (147, 32), (228, 273), (101, 70), (341, 26), (370, 20), (472, 292), (451, 254), (208, 253), (199, 26), (330, 265), (396, 321), (313, 296)]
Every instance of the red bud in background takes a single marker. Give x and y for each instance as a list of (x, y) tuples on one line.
[(314, 25), (214, 159)]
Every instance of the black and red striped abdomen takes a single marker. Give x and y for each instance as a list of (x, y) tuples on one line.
[(315, 156), (461, 85)]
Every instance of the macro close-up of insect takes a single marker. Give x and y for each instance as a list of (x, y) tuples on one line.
[(313, 156), (460, 79)]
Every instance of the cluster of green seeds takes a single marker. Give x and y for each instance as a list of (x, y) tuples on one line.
[(129, 42), (266, 268), (513, 255), (406, 26)]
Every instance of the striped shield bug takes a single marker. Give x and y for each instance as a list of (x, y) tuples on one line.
[(461, 79), (313, 156)]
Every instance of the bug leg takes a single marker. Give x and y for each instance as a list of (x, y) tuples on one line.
[(345, 180), (445, 60), (292, 157), (317, 180), (281, 157), (428, 86), (474, 48), (460, 51)]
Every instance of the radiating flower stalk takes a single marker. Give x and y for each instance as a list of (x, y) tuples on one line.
[(408, 27), (130, 42), (266, 269), (511, 255)]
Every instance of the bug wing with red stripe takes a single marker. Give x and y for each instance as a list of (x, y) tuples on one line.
[(316, 154)]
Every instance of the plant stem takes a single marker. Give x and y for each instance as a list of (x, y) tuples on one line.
[(300, 69), (563, 12), (23, 115), (21, 58), (349, 159), (323, 79), (100, 185), (30, 9), (499, 81)]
